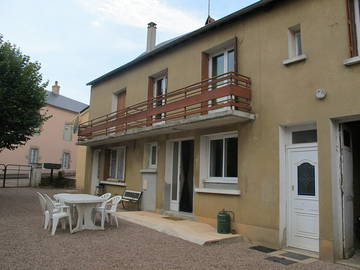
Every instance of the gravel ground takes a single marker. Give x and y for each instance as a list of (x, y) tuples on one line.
[(25, 245)]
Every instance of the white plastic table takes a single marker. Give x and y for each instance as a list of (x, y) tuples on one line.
[(84, 203)]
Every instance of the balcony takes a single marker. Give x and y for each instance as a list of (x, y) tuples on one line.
[(220, 100)]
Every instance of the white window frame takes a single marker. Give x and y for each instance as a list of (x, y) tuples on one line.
[(63, 160), (357, 23), (163, 101), (117, 149), (207, 159), (150, 163), (36, 150), (293, 44), (225, 52)]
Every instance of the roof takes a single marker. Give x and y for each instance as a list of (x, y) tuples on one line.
[(184, 38), (65, 103)]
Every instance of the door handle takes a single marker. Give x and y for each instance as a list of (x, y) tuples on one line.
[(292, 187)]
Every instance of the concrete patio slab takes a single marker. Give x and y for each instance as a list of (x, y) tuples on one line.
[(192, 231)]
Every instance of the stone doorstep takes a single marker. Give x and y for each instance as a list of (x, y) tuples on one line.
[(195, 232)]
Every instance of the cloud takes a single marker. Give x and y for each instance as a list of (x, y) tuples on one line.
[(138, 13)]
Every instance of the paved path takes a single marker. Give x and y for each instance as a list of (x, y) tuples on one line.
[(25, 245)]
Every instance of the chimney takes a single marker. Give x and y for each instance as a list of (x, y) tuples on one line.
[(209, 20), (56, 88), (151, 37)]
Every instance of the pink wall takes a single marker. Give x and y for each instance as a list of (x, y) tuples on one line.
[(50, 142)]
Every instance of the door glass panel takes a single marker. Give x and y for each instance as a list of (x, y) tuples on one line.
[(231, 145), (346, 138), (304, 136), (120, 168), (230, 61), (306, 179), (216, 158), (218, 65), (175, 171), (159, 91)]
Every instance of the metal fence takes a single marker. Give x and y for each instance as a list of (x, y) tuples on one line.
[(15, 175)]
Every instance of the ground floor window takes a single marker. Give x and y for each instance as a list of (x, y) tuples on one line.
[(221, 157), (34, 155), (66, 160), (117, 163)]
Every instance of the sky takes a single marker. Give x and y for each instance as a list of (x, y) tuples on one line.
[(76, 41)]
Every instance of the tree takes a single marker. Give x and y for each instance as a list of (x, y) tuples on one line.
[(22, 95)]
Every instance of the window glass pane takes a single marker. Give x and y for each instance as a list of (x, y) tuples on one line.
[(306, 179), (153, 155), (298, 47), (217, 65), (175, 171), (231, 154), (216, 158), (159, 87), (121, 162), (34, 153), (230, 62), (66, 161), (112, 164), (304, 136), (346, 138)]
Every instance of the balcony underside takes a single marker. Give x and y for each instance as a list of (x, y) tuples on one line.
[(213, 119)]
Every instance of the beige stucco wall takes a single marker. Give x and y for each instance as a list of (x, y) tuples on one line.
[(50, 142), (81, 156), (281, 95)]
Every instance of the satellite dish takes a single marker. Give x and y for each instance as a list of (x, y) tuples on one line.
[(76, 124)]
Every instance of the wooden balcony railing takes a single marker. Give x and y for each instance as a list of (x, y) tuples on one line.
[(226, 91)]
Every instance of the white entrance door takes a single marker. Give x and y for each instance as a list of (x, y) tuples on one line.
[(95, 171), (303, 199), (347, 188)]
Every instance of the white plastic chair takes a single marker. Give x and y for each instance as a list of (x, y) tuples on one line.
[(106, 197), (56, 213), (44, 210), (110, 210), (56, 203), (101, 206)]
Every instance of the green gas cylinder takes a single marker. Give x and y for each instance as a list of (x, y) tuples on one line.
[(223, 222)]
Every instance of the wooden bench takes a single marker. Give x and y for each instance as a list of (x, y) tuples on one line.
[(131, 196)]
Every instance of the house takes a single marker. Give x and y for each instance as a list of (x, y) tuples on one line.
[(56, 143), (257, 113)]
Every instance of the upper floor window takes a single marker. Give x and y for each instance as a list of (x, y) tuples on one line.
[(66, 160), (354, 27), (117, 163), (68, 132), (222, 62), (295, 43), (34, 155)]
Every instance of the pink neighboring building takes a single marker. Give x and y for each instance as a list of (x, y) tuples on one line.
[(57, 142)]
